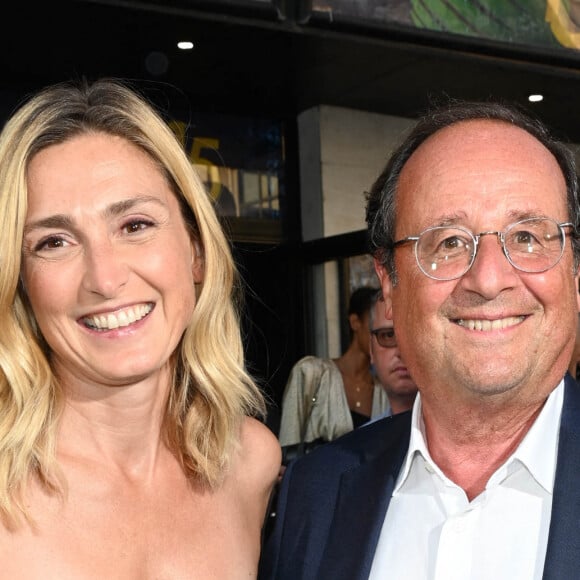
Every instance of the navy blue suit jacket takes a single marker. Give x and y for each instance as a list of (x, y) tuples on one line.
[(332, 503)]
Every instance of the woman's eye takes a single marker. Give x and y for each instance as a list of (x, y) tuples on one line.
[(135, 226), (51, 243)]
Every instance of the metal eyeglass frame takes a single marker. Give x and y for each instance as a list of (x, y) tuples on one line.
[(475, 237)]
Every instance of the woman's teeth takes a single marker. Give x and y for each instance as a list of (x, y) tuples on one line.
[(118, 319)]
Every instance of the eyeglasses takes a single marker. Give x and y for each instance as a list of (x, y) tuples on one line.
[(532, 245), (385, 337)]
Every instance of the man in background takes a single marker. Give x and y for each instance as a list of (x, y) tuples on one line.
[(388, 365)]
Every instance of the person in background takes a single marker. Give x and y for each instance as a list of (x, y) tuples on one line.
[(325, 398), (388, 365), (575, 360), (130, 445), (473, 227)]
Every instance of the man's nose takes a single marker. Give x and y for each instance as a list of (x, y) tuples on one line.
[(491, 272)]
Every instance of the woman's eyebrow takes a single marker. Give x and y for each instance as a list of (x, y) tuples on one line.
[(52, 222), (63, 221), (121, 207)]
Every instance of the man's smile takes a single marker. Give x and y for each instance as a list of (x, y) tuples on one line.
[(486, 324)]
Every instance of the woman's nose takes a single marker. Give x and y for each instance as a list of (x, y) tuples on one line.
[(106, 270)]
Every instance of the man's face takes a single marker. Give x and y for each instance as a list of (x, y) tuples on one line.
[(484, 176), (389, 366)]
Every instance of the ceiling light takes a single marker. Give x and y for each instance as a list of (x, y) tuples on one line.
[(185, 45), (535, 98)]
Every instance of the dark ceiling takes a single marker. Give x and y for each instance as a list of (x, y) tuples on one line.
[(253, 62)]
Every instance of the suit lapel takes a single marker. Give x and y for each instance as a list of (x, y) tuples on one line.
[(563, 551), (362, 503)]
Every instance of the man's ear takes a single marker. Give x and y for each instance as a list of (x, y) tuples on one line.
[(577, 283), (386, 288), (197, 262)]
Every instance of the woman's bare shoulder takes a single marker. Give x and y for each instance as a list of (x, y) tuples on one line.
[(259, 451)]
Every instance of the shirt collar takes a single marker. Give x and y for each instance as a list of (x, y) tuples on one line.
[(537, 451)]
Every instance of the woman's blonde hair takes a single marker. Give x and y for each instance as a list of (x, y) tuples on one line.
[(211, 391)]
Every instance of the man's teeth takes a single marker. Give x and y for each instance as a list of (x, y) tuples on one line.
[(118, 319), (490, 324)]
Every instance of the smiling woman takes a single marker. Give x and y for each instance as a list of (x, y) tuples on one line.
[(129, 439)]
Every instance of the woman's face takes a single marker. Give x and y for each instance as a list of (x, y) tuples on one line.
[(108, 265)]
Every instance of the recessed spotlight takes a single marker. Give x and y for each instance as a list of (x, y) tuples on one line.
[(185, 45), (157, 63), (535, 98)]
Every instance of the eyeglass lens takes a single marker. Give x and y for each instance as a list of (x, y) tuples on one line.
[(532, 245), (385, 337)]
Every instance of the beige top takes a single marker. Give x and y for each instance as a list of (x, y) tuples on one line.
[(318, 382)]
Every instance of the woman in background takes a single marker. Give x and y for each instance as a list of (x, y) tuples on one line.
[(325, 398)]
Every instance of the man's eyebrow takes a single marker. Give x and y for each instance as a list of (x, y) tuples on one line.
[(64, 221), (452, 219)]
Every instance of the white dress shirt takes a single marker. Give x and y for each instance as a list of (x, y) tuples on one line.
[(433, 532)]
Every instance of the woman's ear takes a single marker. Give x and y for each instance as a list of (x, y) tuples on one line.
[(354, 321), (197, 262)]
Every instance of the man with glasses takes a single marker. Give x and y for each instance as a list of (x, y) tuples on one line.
[(473, 227), (388, 365)]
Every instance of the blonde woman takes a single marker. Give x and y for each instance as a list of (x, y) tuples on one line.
[(129, 446)]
